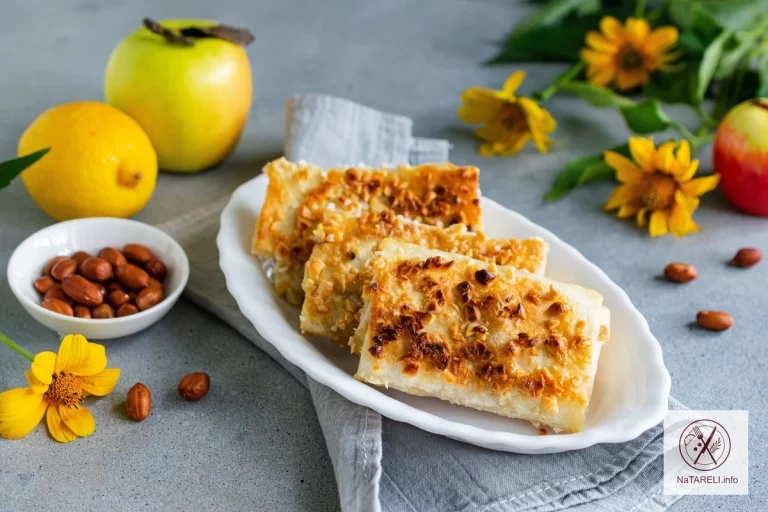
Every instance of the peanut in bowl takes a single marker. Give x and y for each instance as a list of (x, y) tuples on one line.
[(91, 235)]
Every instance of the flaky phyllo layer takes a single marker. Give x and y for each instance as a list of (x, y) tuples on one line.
[(482, 335), (299, 197), (337, 271)]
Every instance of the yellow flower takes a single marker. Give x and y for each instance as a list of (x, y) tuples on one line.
[(510, 121), (625, 55), (58, 384), (658, 186)]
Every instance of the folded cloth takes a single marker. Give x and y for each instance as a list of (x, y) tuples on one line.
[(383, 465)]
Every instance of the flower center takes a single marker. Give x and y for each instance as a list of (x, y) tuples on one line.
[(66, 389), (659, 193), (512, 117), (631, 58)]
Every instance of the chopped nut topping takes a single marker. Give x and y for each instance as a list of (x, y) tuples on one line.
[(476, 351), (374, 287), (464, 286), (533, 297), (525, 340), (542, 431), (473, 312), (554, 341), (484, 276), (512, 347), (411, 368), (375, 350), (558, 308), (490, 370), (533, 386)]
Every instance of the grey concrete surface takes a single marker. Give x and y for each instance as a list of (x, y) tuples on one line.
[(254, 443)]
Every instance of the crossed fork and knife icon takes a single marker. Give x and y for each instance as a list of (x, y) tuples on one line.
[(697, 432)]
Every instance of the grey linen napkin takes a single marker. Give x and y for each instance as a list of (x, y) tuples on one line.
[(383, 465)]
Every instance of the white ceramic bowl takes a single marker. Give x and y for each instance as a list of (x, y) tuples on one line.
[(631, 387), (92, 235)]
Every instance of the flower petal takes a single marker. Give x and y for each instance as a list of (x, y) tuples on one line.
[(621, 195), (102, 383), (612, 29), (78, 419), (643, 152), (34, 384), (637, 30), (681, 219), (56, 427), (601, 75), (480, 105), (597, 58), (641, 217), (43, 367), (689, 173), (626, 171), (628, 210), (79, 357), (683, 154), (513, 83), (21, 410), (661, 39), (658, 224), (665, 156), (699, 186), (597, 42), (631, 78)]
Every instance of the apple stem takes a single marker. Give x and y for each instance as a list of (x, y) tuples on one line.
[(169, 35)]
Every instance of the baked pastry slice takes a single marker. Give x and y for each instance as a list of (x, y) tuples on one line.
[(336, 271), (300, 195), (489, 337)]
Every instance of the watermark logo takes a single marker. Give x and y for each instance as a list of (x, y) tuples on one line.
[(704, 445), (706, 452)]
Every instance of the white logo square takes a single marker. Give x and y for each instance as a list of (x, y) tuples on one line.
[(706, 452)]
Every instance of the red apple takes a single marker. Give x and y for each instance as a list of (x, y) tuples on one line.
[(740, 156)]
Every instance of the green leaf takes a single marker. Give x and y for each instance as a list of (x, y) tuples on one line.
[(646, 117), (597, 95), (677, 87), (12, 168), (735, 14), (582, 170), (734, 52), (552, 12), (762, 90), (709, 63), (559, 42)]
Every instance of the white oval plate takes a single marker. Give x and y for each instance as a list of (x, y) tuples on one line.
[(631, 387)]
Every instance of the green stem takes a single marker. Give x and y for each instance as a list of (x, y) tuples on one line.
[(566, 77), (640, 9), (654, 14), (16, 348), (684, 132)]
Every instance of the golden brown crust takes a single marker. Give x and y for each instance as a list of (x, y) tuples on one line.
[(491, 334), (300, 196), (336, 272)]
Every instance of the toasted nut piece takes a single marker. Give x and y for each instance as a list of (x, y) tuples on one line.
[(113, 256), (82, 312), (680, 272), (714, 320), (194, 386), (132, 277), (45, 283), (155, 282), (49, 266), (112, 285), (132, 296), (117, 298), (63, 269), (127, 309), (80, 257), (58, 306), (57, 293), (138, 403), (747, 257), (156, 269), (82, 290), (484, 276), (137, 253), (148, 297), (103, 311)]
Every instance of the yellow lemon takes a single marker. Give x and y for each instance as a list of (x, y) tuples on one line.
[(101, 162), (192, 101)]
